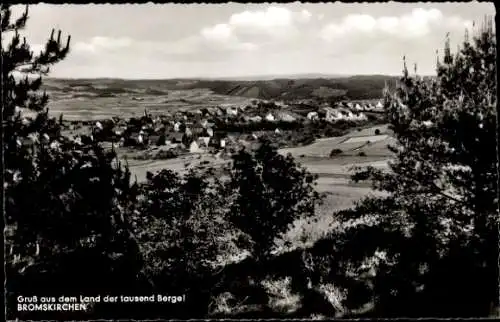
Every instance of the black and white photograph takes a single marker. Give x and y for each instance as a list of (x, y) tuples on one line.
[(250, 161)]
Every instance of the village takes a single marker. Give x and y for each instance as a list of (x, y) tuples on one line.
[(225, 128)]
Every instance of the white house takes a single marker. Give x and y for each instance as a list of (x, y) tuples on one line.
[(350, 115), (312, 115), (231, 111), (333, 114), (222, 143), (277, 131), (54, 145), (270, 117), (379, 105), (285, 117), (362, 117), (194, 147)]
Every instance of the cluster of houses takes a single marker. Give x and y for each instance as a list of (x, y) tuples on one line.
[(346, 111), (196, 130)]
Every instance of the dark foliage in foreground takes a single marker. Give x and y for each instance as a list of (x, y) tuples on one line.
[(75, 224), (432, 243), (271, 192), (66, 205)]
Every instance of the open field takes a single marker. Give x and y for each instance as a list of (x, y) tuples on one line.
[(128, 104), (139, 168), (351, 144)]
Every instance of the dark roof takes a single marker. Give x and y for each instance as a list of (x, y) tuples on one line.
[(176, 135)]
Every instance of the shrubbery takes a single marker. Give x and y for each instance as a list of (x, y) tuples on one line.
[(432, 240)]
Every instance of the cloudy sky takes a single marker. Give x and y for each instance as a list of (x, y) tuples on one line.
[(231, 40)]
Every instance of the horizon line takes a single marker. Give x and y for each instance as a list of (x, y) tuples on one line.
[(236, 78)]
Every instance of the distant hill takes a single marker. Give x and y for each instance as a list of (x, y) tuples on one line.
[(274, 77), (282, 88)]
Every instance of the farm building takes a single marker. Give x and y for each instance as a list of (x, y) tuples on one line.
[(286, 117), (312, 116), (270, 117), (256, 119), (194, 147), (332, 114), (231, 111)]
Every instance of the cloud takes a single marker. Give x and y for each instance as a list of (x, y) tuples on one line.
[(419, 23), (277, 30), (218, 32), (259, 27), (273, 39), (272, 17), (99, 44)]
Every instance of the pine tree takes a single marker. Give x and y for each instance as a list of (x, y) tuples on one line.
[(436, 233), (66, 204)]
